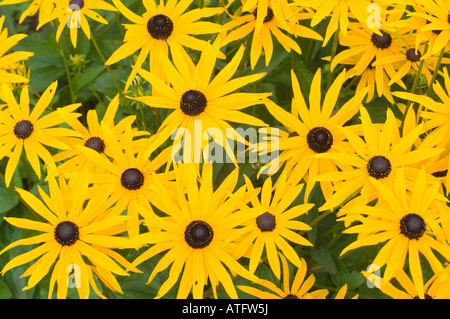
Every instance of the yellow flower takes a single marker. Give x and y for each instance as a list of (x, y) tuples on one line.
[(202, 105), (272, 24), (162, 27), (272, 229), (382, 153), (128, 175), (193, 233), (73, 13), (73, 235), (406, 223), (10, 67), (45, 8), (366, 46), (402, 287), (92, 136), (435, 15), (22, 130), (300, 288), (313, 131), (340, 13)]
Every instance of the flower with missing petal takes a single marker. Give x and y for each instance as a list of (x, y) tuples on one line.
[(299, 289), (273, 229), (277, 21)]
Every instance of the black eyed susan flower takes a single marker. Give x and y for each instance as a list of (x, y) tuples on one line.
[(44, 7), (127, 173), (193, 232), (21, 130), (406, 224), (93, 137), (73, 235), (404, 287), (371, 45), (409, 59), (313, 130), (259, 8), (272, 229), (9, 62), (436, 116), (73, 13), (299, 289), (279, 26), (201, 104), (378, 156), (340, 12), (367, 79), (162, 27), (437, 21)]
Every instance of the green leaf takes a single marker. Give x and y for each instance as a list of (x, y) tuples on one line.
[(8, 199), (80, 80), (322, 256), (5, 293)]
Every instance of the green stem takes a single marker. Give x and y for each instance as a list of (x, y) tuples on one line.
[(433, 79), (66, 67), (333, 54), (116, 83), (221, 4), (141, 109), (413, 89), (435, 72), (309, 53), (246, 54)]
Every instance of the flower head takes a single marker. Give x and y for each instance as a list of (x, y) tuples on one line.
[(74, 232)]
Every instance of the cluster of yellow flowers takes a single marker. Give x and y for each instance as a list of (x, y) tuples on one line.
[(113, 186)]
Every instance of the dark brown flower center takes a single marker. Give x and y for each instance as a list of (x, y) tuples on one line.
[(95, 143), (266, 222), (319, 139), (440, 173), (66, 233), (132, 179), (198, 234), (76, 4), (379, 167), (427, 296), (193, 102), (268, 17), (23, 129), (412, 226), (413, 55), (160, 27), (290, 296), (382, 41)]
